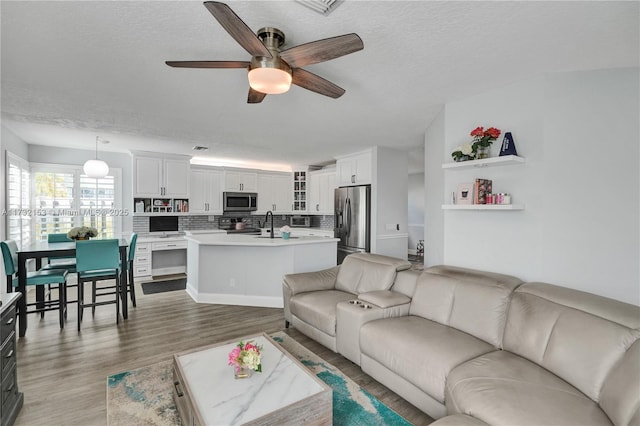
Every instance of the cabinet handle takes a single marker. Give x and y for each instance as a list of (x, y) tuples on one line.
[(10, 321), (353, 178), (178, 389), (10, 354), (317, 207)]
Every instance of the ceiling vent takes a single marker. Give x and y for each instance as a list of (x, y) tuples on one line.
[(321, 6), (200, 148)]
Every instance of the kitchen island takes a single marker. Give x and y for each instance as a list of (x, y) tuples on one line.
[(248, 269)]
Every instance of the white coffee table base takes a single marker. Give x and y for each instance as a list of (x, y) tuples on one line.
[(206, 392)]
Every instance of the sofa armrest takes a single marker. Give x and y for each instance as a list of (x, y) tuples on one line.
[(304, 282), (310, 281), (384, 298)]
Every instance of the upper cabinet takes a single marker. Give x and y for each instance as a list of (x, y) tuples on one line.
[(322, 185), (240, 181), (299, 191), (354, 169), (205, 193), (160, 176), (274, 193)]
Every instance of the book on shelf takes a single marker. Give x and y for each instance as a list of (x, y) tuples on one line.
[(481, 189)]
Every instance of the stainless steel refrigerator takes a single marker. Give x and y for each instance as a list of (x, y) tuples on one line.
[(352, 220)]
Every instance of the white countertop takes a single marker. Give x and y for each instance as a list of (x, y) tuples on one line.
[(254, 240)]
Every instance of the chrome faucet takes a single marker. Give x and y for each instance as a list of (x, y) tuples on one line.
[(267, 218)]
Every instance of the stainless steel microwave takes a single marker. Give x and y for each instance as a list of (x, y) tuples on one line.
[(239, 201)]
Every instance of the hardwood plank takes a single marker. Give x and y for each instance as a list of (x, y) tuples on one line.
[(62, 373)]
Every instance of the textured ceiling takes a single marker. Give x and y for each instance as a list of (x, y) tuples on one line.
[(76, 69)]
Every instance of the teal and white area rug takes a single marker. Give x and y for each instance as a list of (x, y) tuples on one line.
[(144, 396)]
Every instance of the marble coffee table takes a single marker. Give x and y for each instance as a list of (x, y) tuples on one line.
[(285, 392)]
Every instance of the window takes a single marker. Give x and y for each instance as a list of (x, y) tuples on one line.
[(18, 214), (64, 197)]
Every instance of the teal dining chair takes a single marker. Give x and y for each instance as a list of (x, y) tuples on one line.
[(41, 277), (60, 262), (97, 260), (132, 254)]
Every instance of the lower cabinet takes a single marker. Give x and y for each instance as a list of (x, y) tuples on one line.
[(11, 399), (169, 255)]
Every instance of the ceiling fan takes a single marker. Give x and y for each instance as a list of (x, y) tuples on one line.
[(272, 71)]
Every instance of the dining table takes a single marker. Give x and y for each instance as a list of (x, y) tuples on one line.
[(44, 249)]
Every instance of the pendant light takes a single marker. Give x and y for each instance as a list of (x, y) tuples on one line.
[(96, 168)]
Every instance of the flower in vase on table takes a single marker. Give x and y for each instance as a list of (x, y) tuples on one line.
[(82, 232), (246, 354)]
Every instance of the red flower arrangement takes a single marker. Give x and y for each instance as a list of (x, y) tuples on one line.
[(482, 140)]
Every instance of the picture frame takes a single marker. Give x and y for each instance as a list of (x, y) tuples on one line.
[(464, 194)]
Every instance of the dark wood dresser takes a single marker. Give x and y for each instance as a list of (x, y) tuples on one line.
[(10, 400)]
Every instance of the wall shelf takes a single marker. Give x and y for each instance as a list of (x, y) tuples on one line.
[(485, 162), (483, 207)]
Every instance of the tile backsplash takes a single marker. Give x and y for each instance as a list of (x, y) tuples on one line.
[(188, 223)]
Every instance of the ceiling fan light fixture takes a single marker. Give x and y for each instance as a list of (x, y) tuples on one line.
[(272, 81)]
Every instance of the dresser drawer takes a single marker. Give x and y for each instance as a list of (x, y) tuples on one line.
[(7, 323), (9, 390), (7, 356)]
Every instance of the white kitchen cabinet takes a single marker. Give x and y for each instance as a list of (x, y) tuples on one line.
[(159, 176), (239, 181), (205, 192), (354, 169), (299, 191), (321, 192), (274, 193)]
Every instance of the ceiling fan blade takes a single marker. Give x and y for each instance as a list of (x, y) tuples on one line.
[(255, 97), (237, 28), (208, 64), (322, 50), (315, 83)]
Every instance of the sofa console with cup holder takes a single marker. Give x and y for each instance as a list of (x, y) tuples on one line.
[(470, 347)]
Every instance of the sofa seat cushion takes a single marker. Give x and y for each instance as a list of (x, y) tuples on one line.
[(318, 308), (420, 351), (501, 388)]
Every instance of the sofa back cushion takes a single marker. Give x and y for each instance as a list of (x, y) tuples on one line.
[(578, 336), (363, 272), (472, 301)]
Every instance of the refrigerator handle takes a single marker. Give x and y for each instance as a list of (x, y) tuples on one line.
[(348, 208)]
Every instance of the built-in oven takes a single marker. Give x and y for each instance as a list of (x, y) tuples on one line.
[(239, 201)]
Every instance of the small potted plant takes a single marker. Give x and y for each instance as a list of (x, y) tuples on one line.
[(82, 233), (285, 232)]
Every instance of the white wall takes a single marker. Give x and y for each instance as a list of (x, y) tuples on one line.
[(415, 224), (389, 202), (12, 143), (433, 184), (579, 132)]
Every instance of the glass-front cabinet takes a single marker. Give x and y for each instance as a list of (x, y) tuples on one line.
[(300, 191)]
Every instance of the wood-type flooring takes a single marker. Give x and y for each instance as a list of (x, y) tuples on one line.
[(62, 373)]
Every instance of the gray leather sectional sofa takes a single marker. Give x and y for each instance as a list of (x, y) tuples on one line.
[(471, 347)]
